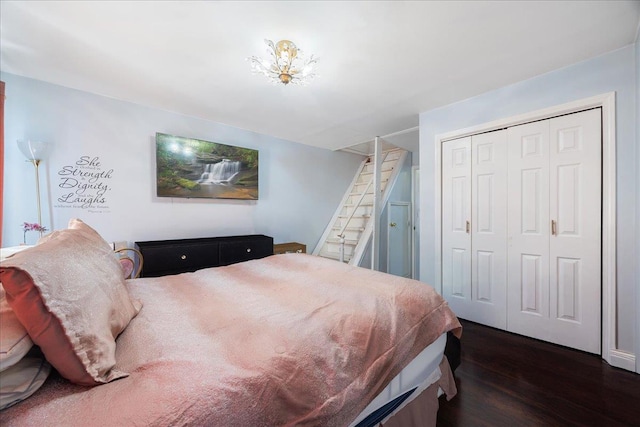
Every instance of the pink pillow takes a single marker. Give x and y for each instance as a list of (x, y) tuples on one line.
[(68, 292)]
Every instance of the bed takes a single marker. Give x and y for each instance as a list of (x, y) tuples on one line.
[(287, 340)]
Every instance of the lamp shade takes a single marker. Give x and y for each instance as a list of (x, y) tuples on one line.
[(33, 150)]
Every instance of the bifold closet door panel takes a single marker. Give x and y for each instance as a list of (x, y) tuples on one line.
[(554, 228), (528, 227), (456, 218), (576, 215), (474, 227), (489, 228)]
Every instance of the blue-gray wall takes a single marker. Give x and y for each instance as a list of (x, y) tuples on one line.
[(614, 71), (401, 192), (300, 186)]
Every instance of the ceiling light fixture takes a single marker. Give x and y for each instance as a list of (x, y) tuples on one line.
[(287, 65)]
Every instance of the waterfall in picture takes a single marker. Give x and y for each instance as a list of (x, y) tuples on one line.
[(220, 173)]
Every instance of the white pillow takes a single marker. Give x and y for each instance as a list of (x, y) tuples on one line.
[(14, 340), (22, 380)]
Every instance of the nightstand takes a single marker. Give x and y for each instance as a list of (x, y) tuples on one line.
[(289, 248)]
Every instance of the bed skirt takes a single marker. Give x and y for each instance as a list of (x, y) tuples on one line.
[(423, 409)]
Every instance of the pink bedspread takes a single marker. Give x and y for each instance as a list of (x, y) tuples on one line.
[(285, 340)]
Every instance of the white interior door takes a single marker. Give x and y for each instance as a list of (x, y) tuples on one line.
[(554, 230), (456, 225), (489, 229), (399, 239)]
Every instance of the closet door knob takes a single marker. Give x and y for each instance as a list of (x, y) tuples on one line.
[(553, 228), (468, 227)]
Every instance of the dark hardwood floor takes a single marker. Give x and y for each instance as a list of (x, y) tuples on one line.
[(509, 380)]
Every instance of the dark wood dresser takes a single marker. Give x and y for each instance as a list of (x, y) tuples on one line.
[(164, 257)]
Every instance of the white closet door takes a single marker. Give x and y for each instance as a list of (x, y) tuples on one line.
[(574, 250), (456, 218), (489, 229), (554, 278), (528, 228)]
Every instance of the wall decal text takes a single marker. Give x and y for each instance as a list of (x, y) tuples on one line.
[(85, 185)]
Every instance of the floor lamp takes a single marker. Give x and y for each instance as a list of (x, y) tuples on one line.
[(35, 152)]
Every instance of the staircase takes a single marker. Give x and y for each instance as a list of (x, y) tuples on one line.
[(351, 222)]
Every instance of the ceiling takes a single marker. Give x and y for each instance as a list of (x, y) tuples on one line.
[(380, 63)]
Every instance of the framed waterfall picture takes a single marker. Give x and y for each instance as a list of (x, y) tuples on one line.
[(193, 168)]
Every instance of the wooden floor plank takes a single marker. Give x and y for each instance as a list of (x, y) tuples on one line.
[(509, 380)]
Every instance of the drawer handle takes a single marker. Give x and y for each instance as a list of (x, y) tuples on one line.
[(183, 257), (248, 249)]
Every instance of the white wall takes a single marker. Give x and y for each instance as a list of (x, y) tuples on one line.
[(614, 71), (300, 186)]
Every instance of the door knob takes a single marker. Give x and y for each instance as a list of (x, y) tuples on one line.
[(393, 224)]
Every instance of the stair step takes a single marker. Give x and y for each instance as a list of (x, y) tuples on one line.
[(384, 169), (351, 205), (391, 158), (363, 216), (366, 181), (336, 240), (337, 227), (359, 193), (368, 193), (382, 181)]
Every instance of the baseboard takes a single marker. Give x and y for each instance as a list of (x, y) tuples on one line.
[(623, 360)]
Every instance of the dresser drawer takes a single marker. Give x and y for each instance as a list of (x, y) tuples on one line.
[(233, 251), (179, 258)]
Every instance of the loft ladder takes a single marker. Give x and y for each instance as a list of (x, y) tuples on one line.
[(349, 231)]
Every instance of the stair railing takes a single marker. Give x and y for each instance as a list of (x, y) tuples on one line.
[(347, 194)]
